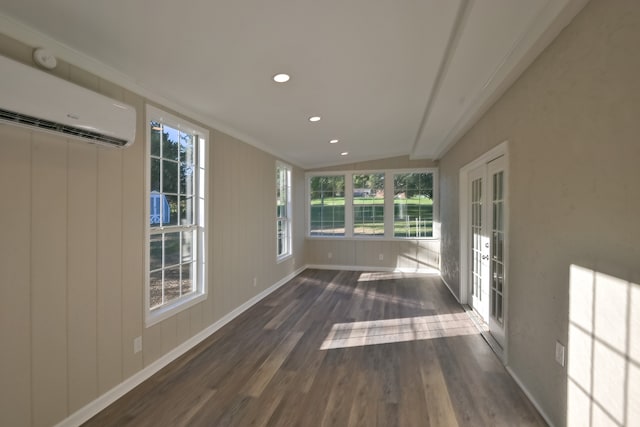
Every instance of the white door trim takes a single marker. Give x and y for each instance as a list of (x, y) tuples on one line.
[(464, 194), (494, 153)]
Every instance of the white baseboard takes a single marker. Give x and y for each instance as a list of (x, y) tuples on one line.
[(530, 396), (425, 270), (92, 408)]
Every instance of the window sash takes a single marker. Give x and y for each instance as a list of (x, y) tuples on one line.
[(366, 210), (342, 223), (327, 219), (413, 209), (174, 263), (283, 237)]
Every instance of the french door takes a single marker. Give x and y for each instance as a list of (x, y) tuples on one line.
[(479, 250), (486, 244)]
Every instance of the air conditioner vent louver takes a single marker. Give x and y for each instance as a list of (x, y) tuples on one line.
[(34, 99), (23, 119)]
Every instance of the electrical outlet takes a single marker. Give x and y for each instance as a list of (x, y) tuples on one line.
[(293, 261), (137, 345), (381, 257), (329, 255), (560, 353), (255, 282)]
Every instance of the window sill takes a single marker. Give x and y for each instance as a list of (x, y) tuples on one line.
[(283, 258), (159, 314), (371, 238)]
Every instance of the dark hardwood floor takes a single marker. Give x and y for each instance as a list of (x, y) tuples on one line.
[(336, 348)]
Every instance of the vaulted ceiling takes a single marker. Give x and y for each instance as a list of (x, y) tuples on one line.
[(387, 77)]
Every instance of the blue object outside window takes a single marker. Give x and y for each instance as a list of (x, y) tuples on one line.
[(159, 209)]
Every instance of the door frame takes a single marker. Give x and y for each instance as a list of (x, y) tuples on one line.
[(501, 149)]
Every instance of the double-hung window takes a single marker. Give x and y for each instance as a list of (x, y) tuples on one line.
[(176, 206), (383, 204), (283, 211)]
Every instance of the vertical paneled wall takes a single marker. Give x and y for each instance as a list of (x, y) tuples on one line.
[(62, 277), (15, 277), (72, 257)]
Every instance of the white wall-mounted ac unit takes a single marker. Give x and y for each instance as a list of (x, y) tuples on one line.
[(38, 100)]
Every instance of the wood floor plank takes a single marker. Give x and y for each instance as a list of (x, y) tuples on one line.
[(268, 369), (403, 353), (260, 411), (437, 399), (364, 408)]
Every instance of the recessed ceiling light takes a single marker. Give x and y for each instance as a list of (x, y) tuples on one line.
[(314, 118), (344, 153), (281, 78), (333, 141)]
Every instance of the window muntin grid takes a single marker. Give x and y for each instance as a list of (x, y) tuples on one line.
[(327, 198), (368, 204), (175, 231), (413, 205)]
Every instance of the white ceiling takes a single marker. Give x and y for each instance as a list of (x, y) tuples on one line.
[(388, 77)]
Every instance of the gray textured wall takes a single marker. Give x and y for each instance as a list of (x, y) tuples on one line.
[(572, 122)]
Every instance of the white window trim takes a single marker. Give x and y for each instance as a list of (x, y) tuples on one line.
[(283, 257), (388, 205), (164, 312)]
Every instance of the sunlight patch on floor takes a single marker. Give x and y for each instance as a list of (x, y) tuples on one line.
[(390, 275), (373, 332)]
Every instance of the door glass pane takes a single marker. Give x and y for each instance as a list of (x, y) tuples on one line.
[(497, 247), (493, 304), (476, 240)]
